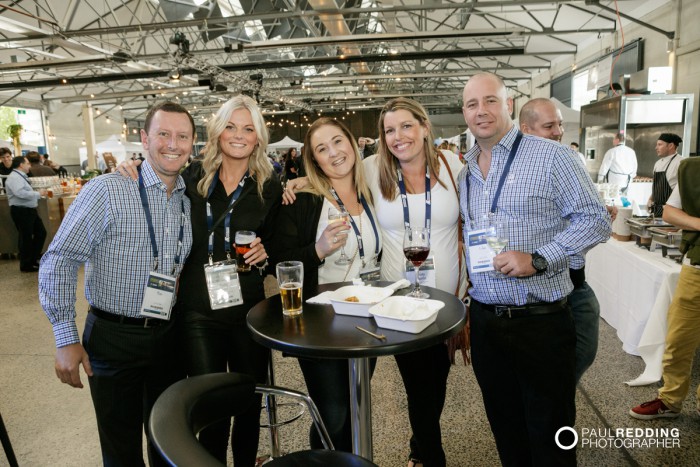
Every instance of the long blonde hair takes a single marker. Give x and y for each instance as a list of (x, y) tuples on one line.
[(388, 164), (319, 183), (258, 164)]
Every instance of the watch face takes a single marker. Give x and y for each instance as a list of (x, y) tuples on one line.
[(539, 263)]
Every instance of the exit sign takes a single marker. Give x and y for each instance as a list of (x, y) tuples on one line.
[(21, 112)]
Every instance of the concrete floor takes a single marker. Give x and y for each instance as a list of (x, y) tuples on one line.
[(51, 424)]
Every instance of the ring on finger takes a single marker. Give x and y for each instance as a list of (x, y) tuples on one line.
[(335, 239)]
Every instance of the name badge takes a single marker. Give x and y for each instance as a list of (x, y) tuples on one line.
[(370, 271), (223, 284), (159, 296), (426, 273), (480, 254)]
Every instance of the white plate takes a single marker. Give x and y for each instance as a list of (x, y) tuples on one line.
[(367, 297), (406, 314)]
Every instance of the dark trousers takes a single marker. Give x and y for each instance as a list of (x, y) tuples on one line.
[(424, 375), (31, 235), (525, 369), (131, 367), (328, 383), (212, 346)]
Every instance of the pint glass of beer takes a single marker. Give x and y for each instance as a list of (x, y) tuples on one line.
[(290, 277), (243, 240)]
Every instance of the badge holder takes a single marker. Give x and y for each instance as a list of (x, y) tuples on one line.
[(426, 273), (159, 296), (223, 284), (370, 271)]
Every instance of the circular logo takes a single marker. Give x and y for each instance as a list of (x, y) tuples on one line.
[(562, 446)]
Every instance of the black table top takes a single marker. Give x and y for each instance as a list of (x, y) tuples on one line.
[(320, 332)]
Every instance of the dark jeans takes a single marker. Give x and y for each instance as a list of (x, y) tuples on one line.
[(424, 375), (586, 313), (328, 383), (211, 346), (525, 369), (131, 367), (31, 235)]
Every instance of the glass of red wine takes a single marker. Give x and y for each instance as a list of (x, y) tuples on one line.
[(416, 246)]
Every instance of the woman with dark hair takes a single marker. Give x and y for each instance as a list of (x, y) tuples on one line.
[(291, 165), (304, 233)]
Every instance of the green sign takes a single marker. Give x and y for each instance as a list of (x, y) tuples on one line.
[(21, 112)]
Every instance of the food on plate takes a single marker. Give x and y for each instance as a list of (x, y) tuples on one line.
[(352, 299)]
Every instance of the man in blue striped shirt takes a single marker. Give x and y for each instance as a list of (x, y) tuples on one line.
[(128, 235), (522, 332)]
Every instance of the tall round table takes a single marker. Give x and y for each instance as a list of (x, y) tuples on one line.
[(321, 333)]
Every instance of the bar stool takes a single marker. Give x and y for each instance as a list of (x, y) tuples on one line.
[(7, 445)]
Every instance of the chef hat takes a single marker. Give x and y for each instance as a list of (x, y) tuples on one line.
[(671, 138)]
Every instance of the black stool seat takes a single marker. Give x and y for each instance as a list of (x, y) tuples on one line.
[(320, 458)]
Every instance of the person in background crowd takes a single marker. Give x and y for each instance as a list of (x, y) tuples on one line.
[(23, 201), (619, 165), (665, 172), (235, 181), (58, 169), (683, 333), (291, 165), (37, 169), (5, 162), (522, 333), (540, 117), (128, 354), (335, 177), (575, 147), (365, 146), (275, 165)]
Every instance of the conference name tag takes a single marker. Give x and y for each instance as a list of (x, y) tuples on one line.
[(223, 284), (159, 296), (480, 254), (426, 273)]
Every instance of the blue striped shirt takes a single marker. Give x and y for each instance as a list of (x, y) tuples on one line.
[(106, 229), (549, 205)]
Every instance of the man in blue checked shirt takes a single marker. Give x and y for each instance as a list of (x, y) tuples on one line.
[(522, 332), (133, 239)]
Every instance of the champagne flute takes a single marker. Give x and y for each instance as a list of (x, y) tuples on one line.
[(339, 215), (416, 246), (497, 240)]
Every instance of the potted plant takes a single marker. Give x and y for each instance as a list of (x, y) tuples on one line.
[(15, 131)]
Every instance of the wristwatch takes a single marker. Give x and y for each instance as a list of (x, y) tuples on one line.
[(539, 262)]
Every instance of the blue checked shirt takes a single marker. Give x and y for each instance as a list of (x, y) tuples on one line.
[(106, 229), (549, 205)]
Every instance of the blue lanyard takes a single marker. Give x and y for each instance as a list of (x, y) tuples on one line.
[(358, 234), (227, 222), (151, 231), (501, 181), (404, 199)]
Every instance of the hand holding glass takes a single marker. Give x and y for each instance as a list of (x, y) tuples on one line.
[(290, 277), (339, 215), (416, 247), (497, 240), (242, 240)]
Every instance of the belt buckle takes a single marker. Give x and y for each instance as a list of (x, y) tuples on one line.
[(147, 322), (502, 311)]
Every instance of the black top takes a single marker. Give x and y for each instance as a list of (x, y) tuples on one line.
[(321, 333), (250, 212), (295, 235)]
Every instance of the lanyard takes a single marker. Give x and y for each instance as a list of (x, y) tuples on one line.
[(358, 234), (404, 199), (501, 181), (227, 222), (151, 231)]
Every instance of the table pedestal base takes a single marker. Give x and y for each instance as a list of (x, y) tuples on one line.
[(361, 407)]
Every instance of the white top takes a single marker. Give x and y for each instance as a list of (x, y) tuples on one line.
[(444, 218), (331, 272), (670, 165), (618, 163)]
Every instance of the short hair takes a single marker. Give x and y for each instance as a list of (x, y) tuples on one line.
[(17, 161), (4, 150), (671, 138), (574, 143), (168, 107), (620, 136), (528, 114), (33, 157)]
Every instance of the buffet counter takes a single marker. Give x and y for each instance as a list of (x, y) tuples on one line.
[(51, 212), (634, 287)]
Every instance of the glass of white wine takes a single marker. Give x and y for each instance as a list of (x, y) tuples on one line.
[(497, 240), (339, 214)]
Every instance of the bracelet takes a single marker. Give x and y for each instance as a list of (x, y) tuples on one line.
[(261, 269)]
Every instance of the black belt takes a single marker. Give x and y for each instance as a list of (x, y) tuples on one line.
[(514, 311), (121, 319)]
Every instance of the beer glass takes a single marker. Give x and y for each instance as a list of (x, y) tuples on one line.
[(242, 240), (290, 277)]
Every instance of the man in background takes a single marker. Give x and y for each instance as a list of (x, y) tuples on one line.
[(37, 169), (365, 146), (665, 172), (23, 201), (5, 163), (540, 117), (619, 166), (575, 147), (133, 257)]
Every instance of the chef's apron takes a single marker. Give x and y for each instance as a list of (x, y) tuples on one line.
[(660, 191)]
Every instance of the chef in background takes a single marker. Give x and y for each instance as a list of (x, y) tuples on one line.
[(665, 172), (619, 165)]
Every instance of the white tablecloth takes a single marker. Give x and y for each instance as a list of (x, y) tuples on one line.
[(634, 288)]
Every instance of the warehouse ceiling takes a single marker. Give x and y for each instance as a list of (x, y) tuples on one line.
[(306, 55)]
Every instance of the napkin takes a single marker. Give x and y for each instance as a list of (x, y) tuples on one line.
[(321, 299)]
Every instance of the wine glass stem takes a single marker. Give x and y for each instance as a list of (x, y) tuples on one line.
[(416, 290)]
